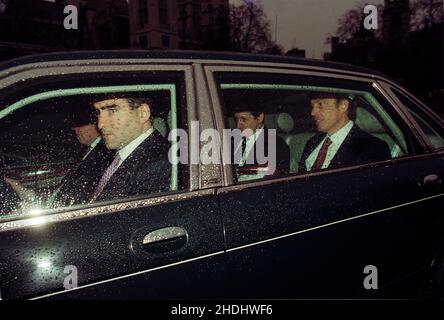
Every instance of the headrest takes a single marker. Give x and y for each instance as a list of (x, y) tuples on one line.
[(282, 122), (160, 125), (368, 122)]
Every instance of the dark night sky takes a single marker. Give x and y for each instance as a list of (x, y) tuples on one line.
[(306, 23)]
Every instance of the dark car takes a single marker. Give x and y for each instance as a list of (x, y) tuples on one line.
[(370, 229)]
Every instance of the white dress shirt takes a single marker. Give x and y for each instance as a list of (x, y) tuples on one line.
[(337, 139), (251, 140)]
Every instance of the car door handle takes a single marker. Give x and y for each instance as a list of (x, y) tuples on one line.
[(165, 239), (432, 179)]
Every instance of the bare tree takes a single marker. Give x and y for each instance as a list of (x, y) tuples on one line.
[(250, 28), (351, 22), (274, 48), (426, 13)]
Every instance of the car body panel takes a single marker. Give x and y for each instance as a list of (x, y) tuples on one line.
[(36, 256), (296, 236)]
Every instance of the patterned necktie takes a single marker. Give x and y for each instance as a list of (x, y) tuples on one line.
[(321, 155), (107, 174)]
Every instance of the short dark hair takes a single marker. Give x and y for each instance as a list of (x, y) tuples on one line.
[(82, 116), (256, 114), (255, 110), (351, 113), (135, 103)]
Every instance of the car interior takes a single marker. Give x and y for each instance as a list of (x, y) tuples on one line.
[(45, 146), (290, 115)]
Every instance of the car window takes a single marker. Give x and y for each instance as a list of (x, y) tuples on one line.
[(433, 132), (75, 146), (286, 103)]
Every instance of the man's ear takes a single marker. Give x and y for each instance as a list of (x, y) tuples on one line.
[(261, 118), (344, 104), (145, 112)]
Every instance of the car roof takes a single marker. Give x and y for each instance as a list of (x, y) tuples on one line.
[(184, 54)]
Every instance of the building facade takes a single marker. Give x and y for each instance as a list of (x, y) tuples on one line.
[(175, 24), (103, 24), (36, 26), (396, 22)]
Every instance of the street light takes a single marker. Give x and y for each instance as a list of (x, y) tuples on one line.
[(183, 16)]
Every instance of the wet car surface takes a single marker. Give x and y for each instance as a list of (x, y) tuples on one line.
[(212, 235)]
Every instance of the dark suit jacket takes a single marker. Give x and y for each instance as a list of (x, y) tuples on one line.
[(358, 147), (282, 156), (145, 171), (79, 182)]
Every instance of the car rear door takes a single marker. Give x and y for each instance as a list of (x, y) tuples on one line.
[(320, 234), (431, 131), (156, 246)]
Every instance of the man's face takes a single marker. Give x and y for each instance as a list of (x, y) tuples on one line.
[(329, 117), (86, 134), (118, 123), (246, 120)]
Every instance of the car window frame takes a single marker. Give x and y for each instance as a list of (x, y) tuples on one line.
[(389, 87), (74, 91), (298, 70), (196, 110)]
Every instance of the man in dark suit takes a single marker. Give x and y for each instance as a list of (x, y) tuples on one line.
[(80, 181), (140, 165), (256, 141), (339, 142)]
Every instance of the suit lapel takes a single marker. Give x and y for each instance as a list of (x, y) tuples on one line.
[(140, 155), (312, 144), (345, 149)]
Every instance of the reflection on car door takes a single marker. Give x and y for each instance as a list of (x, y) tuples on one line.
[(107, 248)]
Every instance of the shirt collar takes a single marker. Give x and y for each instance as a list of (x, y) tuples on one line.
[(95, 142), (91, 147), (339, 136), (256, 133), (130, 147)]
